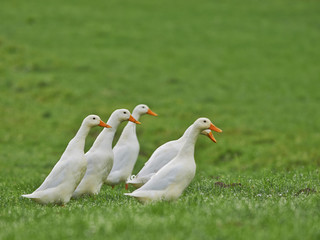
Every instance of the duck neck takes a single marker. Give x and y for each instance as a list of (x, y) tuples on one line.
[(105, 138), (186, 133), (79, 139), (130, 129), (191, 139)]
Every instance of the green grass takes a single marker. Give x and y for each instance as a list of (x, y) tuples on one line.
[(266, 206), (252, 67)]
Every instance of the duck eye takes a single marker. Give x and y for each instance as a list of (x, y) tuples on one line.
[(124, 112), (94, 118), (205, 121), (143, 106)]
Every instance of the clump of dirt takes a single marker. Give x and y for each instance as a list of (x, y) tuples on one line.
[(221, 184), (305, 191)]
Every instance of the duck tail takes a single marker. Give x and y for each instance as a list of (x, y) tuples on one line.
[(31, 195), (26, 195)]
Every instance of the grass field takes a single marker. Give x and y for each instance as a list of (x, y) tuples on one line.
[(252, 67)]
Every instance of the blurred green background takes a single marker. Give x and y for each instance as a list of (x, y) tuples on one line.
[(250, 66)]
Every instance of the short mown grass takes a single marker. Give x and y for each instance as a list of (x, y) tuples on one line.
[(265, 205)]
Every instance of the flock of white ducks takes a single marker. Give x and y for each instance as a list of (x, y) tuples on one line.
[(165, 175)]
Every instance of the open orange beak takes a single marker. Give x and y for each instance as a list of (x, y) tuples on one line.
[(151, 113), (214, 128), (210, 135), (133, 120), (103, 124)]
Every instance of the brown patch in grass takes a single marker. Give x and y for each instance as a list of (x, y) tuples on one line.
[(305, 191)]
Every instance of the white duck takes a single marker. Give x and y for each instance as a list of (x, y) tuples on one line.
[(69, 170), (126, 150), (162, 155), (100, 155), (170, 181)]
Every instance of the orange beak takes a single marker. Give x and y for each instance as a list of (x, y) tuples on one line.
[(151, 113), (210, 135), (214, 128), (133, 120), (103, 124)]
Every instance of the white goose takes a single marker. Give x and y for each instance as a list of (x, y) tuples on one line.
[(127, 149), (100, 155), (162, 155), (68, 171), (170, 181)]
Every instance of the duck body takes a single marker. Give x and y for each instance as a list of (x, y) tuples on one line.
[(171, 180), (127, 149), (125, 156), (98, 168), (100, 156), (61, 182), (161, 156), (68, 171)]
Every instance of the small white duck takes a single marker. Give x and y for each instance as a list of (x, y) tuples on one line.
[(100, 155), (126, 150), (170, 181), (69, 170), (162, 155)]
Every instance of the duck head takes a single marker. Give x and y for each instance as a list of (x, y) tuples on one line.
[(125, 115), (142, 109), (94, 120), (209, 134), (206, 125)]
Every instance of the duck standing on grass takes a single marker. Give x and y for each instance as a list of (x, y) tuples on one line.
[(171, 180), (69, 170), (100, 155), (161, 156), (126, 150)]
